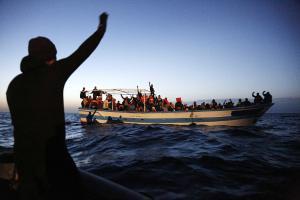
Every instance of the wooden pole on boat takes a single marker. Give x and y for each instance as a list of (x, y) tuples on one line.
[(144, 102)]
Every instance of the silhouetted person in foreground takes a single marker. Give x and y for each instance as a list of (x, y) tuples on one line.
[(35, 99)]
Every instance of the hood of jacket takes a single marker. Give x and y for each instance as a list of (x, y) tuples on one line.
[(30, 63)]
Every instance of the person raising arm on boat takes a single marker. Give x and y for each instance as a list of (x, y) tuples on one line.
[(267, 97), (90, 117), (257, 98), (45, 168), (152, 91)]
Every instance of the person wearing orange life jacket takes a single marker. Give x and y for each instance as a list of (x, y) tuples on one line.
[(165, 104), (105, 105), (109, 98), (84, 103), (89, 100), (165, 101), (99, 102), (150, 103), (151, 99), (144, 99), (139, 103), (94, 104)]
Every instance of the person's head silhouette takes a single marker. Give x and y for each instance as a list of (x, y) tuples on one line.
[(42, 48), (41, 51)]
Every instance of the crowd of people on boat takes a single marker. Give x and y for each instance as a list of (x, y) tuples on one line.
[(155, 103)]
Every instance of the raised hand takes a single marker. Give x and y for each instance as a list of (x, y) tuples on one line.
[(103, 20)]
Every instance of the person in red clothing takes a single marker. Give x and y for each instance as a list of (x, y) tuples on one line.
[(45, 168), (178, 104)]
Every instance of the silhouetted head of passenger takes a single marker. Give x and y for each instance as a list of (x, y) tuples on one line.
[(42, 48), (41, 52), (90, 113)]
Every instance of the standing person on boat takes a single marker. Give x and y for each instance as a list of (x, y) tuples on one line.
[(257, 98), (152, 91), (95, 93), (46, 169), (83, 93), (267, 97), (139, 94)]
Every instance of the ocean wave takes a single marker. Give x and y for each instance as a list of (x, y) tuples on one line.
[(189, 162)]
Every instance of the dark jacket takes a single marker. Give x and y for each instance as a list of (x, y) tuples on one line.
[(35, 100)]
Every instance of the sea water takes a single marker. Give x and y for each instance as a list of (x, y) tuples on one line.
[(189, 162)]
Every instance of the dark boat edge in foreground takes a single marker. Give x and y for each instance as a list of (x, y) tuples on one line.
[(94, 186)]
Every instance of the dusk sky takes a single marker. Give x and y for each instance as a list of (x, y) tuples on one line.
[(187, 48)]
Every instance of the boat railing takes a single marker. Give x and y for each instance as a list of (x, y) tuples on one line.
[(253, 106)]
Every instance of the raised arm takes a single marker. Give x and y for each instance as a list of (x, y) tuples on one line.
[(68, 65)]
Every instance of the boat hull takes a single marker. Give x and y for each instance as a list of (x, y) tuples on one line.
[(239, 116)]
